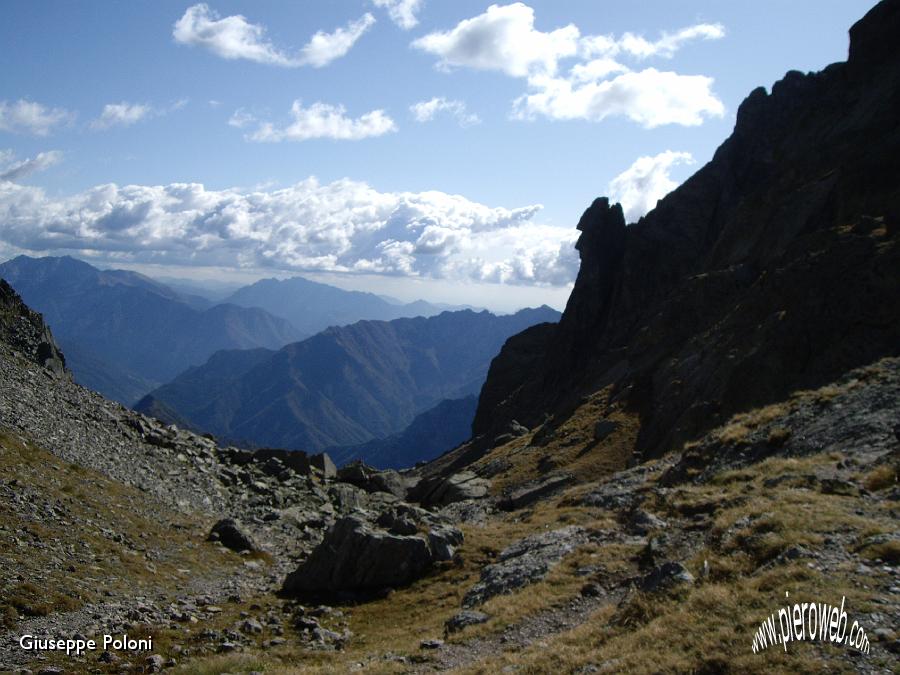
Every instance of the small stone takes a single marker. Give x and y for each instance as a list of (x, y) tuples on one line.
[(431, 644), (666, 575), (467, 617), (231, 535), (153, 663), (107, 657), (251, 626)]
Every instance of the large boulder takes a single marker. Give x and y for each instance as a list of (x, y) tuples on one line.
[(369, 479), (440, 491), (323, 463), (529, 494), (356, 556), (296, 460)]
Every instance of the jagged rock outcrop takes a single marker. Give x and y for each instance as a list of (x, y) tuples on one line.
[(24, 331), (775, 267), (371, 480)]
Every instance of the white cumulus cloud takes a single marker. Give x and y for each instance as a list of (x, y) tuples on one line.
[(648, 97), (30, 117), (502, 38), (597, 85), (10, 170), (645, 182), (320, 120), (345, 226), (234, 37), (402, 12), (425, 111)]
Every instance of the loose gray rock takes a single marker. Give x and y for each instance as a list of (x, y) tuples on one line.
[(524, 562), (641, 522), (438, 491), (530, 494), (467, 617), (667, 575), (443, 541), (366, 478), (153, 663)]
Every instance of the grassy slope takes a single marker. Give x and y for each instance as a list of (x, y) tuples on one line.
[(744, 525)]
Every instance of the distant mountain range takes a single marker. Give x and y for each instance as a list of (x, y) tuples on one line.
[(127, 333), (431, 433), (312, 307), (344, 386)]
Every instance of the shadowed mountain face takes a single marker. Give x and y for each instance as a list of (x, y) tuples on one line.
[(775, 267), (344, 386), (126, 333), (434, 431), (313, 307)]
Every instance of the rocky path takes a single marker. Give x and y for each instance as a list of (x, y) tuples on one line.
[(529, 632)]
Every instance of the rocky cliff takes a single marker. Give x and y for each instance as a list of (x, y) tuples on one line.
[(775, 267), (24, 331)]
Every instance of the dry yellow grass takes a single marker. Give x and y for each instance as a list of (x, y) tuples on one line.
[(709, 626), (882, 477), (571, 446)]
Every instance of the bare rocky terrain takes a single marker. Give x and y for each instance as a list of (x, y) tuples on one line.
[(648, 481)]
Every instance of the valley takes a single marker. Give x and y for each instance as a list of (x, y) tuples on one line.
[(709, 432)]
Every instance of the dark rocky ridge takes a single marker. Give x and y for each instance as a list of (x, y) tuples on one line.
[(775, 267), (23, 330)]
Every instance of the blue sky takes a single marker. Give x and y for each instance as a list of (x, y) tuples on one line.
[(239, 140)]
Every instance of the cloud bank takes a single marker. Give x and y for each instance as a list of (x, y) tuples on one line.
[(344, 226), (233, 37), (597, 86)]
